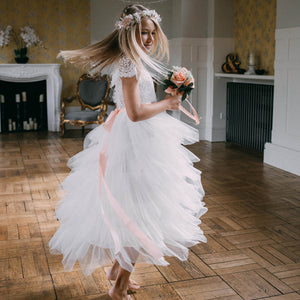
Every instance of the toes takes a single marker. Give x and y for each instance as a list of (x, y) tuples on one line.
[(133, 287), (133, 282)]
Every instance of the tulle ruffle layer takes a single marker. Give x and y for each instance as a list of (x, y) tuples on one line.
[(151, 177)]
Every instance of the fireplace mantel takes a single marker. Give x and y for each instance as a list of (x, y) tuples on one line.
[(37, 72)]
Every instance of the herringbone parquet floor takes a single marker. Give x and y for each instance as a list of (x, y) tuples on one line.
[(252, 227)]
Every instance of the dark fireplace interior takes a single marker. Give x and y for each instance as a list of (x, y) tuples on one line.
[(23, 106)]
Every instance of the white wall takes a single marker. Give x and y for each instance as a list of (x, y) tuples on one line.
[(220, 31), (202, 43), (201, 35), (105, 13), (223, 18), (194, 18), (222, 46), (288, 13), (284, 151), (193, 53)]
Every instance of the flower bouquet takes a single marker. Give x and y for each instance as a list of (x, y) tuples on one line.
[(181, 81)]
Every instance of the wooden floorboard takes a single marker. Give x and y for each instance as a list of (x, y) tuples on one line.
[(252, 227)]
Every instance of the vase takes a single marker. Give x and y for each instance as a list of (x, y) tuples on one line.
[(21, 57)]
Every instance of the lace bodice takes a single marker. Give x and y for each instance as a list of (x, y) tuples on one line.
[(126, 68)]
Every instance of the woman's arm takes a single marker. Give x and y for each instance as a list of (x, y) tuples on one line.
[(138, 111)]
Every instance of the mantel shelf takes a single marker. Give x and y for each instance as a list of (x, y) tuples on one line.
[(28, 65), (36, 72), (245, 77)]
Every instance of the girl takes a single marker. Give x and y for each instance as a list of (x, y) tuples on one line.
[(133, 194)]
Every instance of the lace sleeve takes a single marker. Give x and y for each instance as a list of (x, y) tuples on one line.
[(127, 68)]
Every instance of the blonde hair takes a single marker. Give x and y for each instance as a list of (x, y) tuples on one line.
[(123, 41)]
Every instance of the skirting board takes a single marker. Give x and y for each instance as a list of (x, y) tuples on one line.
[(282, 158)]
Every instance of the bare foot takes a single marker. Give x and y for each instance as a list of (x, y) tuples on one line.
[(117, 294), (133, 285), (112, 274)]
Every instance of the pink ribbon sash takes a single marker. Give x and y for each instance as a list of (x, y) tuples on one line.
[(193, 116), (133, 228)]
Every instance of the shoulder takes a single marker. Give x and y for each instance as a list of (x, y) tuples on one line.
[(127, 67)]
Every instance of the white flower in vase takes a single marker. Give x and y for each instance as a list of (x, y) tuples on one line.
[(25, 39), (4, 36), (29, 37)]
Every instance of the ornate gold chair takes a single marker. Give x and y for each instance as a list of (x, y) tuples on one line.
[(93, 96)]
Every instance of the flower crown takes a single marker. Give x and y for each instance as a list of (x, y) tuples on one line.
[(136, 18)]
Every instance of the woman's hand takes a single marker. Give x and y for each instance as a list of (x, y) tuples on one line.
[(173, 102)]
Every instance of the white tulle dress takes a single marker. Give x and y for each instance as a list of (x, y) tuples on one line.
[(132, 193)]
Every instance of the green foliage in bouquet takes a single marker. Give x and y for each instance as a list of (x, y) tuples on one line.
[(179, 81)]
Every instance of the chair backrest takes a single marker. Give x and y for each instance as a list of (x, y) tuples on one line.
[(92, 91)]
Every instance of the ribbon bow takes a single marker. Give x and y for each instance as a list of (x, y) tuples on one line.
[(194, 114)]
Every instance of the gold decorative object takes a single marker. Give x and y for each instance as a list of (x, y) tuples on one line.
[(232, 64)]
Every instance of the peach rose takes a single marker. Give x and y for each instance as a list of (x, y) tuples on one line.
[(179, 77)]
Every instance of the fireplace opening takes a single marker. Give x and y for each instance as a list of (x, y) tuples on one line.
[(23, 106)]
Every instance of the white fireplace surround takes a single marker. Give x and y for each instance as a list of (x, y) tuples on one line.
[(37, 72)]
